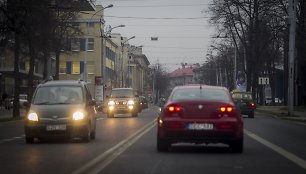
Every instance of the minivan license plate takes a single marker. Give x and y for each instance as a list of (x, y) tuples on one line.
[(200, 126), (56, 127)]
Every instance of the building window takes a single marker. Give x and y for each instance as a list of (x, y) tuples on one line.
[(68, 67), (81, 67), (75, 67), (91, 44), (91, 24), (22, 66), (36, 67), (75, 44), (62, 69), (75, 24)]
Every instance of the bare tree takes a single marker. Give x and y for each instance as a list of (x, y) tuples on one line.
[(254, 27)]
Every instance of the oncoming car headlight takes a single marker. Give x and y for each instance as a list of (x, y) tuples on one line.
[(78, 115), (32, 116), (111, 103), (131, 102)]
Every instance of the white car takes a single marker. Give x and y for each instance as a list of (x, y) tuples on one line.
[(22, 98)]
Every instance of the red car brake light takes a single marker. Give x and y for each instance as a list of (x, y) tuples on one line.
[(227, 109), (252, 104), (174, 109)]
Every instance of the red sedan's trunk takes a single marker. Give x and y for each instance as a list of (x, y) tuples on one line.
[(201, 109)]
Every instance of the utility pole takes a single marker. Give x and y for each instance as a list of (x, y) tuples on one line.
[(291, 54)]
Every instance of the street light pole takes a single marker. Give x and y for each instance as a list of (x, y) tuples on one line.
[(103, 37), (122, 49)]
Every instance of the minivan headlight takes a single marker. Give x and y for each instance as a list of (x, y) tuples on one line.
[(78, 115), (32, 116)]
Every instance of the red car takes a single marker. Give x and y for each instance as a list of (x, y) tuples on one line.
[(200, 114)]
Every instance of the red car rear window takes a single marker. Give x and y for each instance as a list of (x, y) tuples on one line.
[(200, 94)]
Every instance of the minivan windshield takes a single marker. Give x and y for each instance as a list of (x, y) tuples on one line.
[(122, 93), (58, 95)]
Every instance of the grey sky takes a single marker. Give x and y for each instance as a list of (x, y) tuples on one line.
[(179, 40)]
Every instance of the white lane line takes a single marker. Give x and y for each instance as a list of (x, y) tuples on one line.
[(100, 162), (290, 156), (11, 139)]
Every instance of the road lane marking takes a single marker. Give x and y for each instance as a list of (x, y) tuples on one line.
[(11, 139), (100, 162), (290, 156)]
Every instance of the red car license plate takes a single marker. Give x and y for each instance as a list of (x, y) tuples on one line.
[(200, 126)]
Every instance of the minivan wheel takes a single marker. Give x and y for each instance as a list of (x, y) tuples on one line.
[(109, 115), (162, 145), (87, 135), (29, 140)]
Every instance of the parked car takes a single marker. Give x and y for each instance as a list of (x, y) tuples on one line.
[(245, 102), (22, 99), (122, 101), (200, 114), (61, 109)]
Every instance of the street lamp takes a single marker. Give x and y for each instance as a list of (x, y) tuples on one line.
[(86, 40), (122, 45), (104, 52)]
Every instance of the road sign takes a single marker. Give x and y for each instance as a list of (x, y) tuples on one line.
[(263, 80)]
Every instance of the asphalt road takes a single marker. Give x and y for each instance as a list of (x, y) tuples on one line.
[(128, 145)]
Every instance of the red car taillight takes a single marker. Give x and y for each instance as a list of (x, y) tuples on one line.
[(226, 109), (252, 104), (173, 110)]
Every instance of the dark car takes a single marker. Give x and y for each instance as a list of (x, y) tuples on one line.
[(143, 102), (61, 109), (122, 101), (245, 102), (200, 114)]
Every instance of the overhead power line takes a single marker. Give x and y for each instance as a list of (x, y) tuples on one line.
[(174, 47), (164, 18), (169, 5)]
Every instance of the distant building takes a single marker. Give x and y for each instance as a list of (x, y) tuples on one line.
[(183, 76), (138, 68)]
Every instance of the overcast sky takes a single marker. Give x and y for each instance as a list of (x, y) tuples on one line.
[(181, 26)]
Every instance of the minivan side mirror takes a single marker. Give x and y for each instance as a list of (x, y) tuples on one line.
[(26, 104)]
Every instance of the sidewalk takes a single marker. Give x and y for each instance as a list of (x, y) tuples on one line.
[(299, 114), (6, 114)]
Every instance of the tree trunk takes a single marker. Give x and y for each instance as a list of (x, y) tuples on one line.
[(57, 63), (31, 69), (16, 111)]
